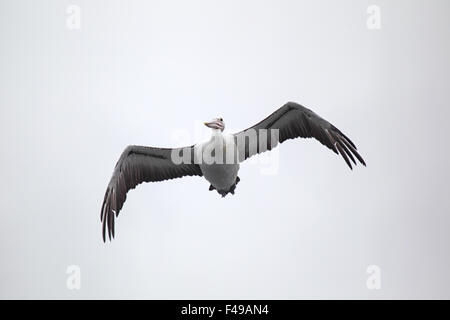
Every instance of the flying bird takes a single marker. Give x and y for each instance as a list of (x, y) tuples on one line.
[(218, 158)]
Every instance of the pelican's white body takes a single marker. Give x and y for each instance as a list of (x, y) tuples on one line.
[(221, 175)]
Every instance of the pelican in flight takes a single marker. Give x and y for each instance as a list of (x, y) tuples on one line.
[(218, 159)]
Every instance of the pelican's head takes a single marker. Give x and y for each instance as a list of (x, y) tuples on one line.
[(216, 123)]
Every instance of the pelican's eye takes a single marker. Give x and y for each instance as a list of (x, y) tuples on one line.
[(221, 119)]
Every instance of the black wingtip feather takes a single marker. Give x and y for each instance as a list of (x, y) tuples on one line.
[(347, 138), (104, 229), (347, 152), (353, 150), (343, 154)]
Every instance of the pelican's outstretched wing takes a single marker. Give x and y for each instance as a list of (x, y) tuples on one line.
[(295, 121), (136, 165)]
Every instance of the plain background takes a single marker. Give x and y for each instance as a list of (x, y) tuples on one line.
[(139, 71)]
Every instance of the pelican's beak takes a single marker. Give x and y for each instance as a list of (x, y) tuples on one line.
[(215, 124), (211, 124)]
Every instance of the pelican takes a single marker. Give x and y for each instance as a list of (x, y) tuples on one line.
[(218, 158)]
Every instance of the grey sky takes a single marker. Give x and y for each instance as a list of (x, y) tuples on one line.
[(138, 72)]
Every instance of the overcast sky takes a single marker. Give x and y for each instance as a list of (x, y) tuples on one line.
[(150, 72)]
